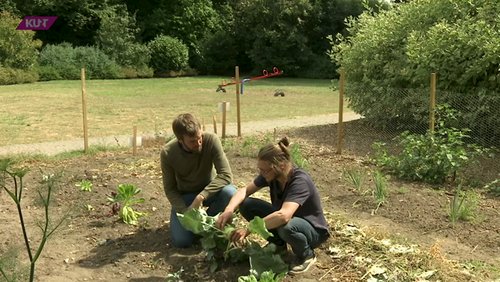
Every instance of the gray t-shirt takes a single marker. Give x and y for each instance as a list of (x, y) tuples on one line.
[(299, 189)]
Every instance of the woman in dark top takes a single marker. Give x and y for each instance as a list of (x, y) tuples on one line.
[(294, 216)]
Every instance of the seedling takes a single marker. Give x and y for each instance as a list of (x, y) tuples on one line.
[(354, 177), (85, 185), (380, 192), (123, 201), (266, 276), (494, 187), (462, 206), (297, 157), (176, 276)]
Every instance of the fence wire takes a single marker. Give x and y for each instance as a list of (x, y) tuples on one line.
[(409, 110)]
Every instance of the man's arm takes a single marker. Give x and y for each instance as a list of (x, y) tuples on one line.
[(170, 184), (222, 167)]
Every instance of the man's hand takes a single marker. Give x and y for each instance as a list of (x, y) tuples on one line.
[(197, 202), (224, 218), (239, 235)]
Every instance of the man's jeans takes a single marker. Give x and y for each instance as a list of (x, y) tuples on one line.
[(298, 232), (182, 238)]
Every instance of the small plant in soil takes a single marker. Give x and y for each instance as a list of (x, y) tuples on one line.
[(494, 187), (176, 276), (122, 202), (380, 191), (463, 206), (85, 185), (11, 180), (266, 276), (297, 156), (354, 177)]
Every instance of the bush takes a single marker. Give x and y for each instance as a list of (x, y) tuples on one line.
[(168, 54), (58, 62), (15, 76), (97, 64), (131, 72), (65, 62), (49, 73), (432, 157), (400, 48)]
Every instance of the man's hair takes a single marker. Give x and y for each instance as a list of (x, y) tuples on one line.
[(185, 124)]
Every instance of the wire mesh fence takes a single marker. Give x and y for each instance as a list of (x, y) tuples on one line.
[(388, 112)]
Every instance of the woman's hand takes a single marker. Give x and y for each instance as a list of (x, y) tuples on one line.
[(223, 219), (239, 235)]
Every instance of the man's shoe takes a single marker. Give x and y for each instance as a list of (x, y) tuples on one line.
[(303, 266)]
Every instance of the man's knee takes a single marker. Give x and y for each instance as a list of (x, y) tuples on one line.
[(179, 241), (227, 192)]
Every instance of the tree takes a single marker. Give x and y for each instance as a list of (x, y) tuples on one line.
[(187, 20), (116, 36), (77, 23), (18, 52), (272, 33), (9, 6)]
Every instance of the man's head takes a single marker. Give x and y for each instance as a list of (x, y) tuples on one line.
[(187, 129)]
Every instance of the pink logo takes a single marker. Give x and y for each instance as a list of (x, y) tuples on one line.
[(36, 22)]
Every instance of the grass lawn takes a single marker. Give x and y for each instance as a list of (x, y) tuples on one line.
[(52, 111)]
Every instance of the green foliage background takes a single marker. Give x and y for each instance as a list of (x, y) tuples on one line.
[(388, 58)]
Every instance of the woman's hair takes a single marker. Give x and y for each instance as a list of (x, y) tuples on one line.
[(275, 154), (185, 124)]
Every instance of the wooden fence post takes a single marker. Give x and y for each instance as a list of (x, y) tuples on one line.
[(215, 124), (340, 124), (238, 115), (134, 141), (432, 103), (84, 110), (224, 119)]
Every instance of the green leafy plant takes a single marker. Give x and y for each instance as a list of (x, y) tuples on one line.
[(217, 243), (266, 276), (85, 185), (354, 177), (494, 187), (123, 200), (15, 176), (380, 191), (297, 156), (250, 145), (463, 206), (433, 157), (176, 276)]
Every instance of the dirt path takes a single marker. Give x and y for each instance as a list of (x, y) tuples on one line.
[(53, 148)]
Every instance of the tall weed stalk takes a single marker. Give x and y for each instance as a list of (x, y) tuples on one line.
[(14, 176)]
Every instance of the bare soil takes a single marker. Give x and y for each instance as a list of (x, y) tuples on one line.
[(93, 245)]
